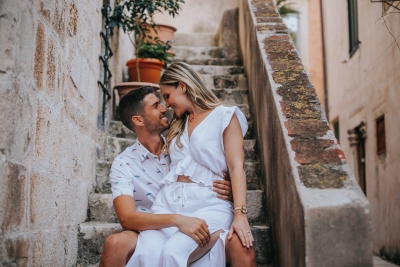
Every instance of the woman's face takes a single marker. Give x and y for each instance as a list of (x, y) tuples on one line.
[(176, 98)]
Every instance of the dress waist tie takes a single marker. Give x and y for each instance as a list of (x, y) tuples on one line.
[(180, 194)]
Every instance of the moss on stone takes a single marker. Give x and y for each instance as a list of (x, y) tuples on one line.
[(321, 176)]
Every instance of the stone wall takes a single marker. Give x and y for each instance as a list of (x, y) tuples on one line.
[(317, 213), (49, 130)]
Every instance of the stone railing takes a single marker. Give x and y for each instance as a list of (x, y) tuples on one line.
[(317, 212)]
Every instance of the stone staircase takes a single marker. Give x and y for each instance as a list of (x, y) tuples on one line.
[(226, 78)]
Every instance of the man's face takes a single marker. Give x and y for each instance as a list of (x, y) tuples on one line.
[(154, 116)]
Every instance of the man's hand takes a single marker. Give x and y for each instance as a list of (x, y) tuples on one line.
[(224, 189), (196, 228)]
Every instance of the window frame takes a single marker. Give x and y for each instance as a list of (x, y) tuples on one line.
[(354, 42), (380, 145)]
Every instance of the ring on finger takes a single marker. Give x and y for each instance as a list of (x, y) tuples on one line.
[(227, 194)]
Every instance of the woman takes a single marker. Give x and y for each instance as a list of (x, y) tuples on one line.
[(205, 139)]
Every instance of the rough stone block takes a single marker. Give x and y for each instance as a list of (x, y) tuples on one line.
[(91, 239), (102, 177), (255, 205), (39, 56), (211, 61), (262, 243), (115, 146), (232, 96), (14, 194), (218, 70), (48, 248), (101, 208), (117, 129), (250, 150), (42, 201), (202, 39), (252, 170)]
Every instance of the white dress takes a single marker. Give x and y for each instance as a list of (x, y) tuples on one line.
[(202, 159)]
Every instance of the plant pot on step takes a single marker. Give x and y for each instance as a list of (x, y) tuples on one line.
[(149, 69), (124, 88), (164, 32)]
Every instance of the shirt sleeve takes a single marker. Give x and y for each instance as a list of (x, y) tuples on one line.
[(120, 179)]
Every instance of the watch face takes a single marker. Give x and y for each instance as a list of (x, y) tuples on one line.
[(244, 209)]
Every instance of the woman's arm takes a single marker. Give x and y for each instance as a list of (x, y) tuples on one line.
[(234, 153)]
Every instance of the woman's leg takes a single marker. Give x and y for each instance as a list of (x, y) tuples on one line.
[(148, 248), (176, 251), (201, 251)]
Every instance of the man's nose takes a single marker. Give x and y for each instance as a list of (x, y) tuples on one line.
[(163, 108)]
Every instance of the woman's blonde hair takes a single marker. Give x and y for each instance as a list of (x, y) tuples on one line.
[(197, 92)]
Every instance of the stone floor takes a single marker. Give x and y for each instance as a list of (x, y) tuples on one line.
[(378, 262)]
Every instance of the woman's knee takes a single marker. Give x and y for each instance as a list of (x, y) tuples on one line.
[(235, 250)]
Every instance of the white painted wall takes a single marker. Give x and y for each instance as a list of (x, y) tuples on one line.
[(362, 88)]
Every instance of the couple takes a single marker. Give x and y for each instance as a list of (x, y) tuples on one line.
[(164, 188)]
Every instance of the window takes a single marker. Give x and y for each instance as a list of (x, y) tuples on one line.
[(353, 26), (336, 129), (380, 135)]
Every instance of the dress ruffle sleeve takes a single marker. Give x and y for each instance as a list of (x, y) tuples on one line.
[(227, 117), (196, 172)]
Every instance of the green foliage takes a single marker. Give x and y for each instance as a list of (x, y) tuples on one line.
[(285, 8), (157, 50), (131, 15)]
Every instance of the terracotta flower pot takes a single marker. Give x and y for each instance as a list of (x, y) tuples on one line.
[(149, 69), (164, 32), (124, 88)]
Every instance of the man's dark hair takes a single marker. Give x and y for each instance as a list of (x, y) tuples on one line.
[(132, 104)]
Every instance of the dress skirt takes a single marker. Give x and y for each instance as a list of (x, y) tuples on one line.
[(169, 247)]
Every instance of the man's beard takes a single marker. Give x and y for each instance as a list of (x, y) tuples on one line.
[(155, 128)]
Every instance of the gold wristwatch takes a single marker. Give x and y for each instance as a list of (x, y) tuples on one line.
[(243, 209)]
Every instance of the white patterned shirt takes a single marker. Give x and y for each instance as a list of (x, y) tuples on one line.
[(137, 172)]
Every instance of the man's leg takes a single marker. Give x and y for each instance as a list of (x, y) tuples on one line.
[(118, 249), (238, 255)]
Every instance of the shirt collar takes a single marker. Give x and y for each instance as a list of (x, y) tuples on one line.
[(143, 152)]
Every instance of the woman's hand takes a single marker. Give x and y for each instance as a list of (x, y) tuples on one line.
[(241, 227)]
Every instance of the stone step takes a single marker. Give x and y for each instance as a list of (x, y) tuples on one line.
[(232, 81), (117, 129), (252, 170), (198, 52), (91, 238), (232, 96), (115, 146), (92, 235), (100, 207), (194, 40), (211, 61), (218, 70)]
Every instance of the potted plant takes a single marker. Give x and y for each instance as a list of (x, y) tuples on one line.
[(136, 18), (152, 57)]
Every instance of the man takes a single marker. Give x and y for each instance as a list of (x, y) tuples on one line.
[(135, 176)]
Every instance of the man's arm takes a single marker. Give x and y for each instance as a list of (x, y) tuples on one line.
[(130, 219)]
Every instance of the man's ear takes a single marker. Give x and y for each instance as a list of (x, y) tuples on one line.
[(137, 120)]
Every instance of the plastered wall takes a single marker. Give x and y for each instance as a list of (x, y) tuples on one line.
[(362, 88)]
